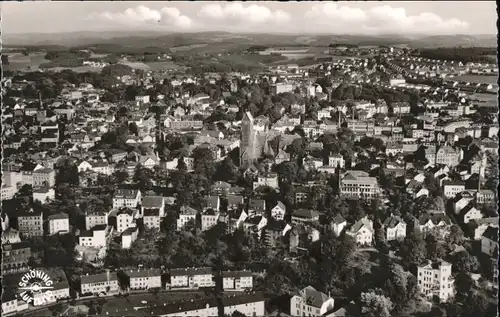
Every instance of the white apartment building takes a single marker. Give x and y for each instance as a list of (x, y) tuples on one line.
[(95, 218), (209, 219), (336, 160), (237, 280), (94, 238), (126, 198), (435, 279), (191, 277), (186, 215), (125, 218), (359, 184), (247, 304), (129, 236), (58, 223), (310, 302), (270, 180), (99, 283), (144, 279), (451, 189)]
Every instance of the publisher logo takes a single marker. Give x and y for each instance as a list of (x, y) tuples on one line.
[(35, 284)]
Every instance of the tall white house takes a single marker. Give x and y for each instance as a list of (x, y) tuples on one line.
[(310, 302), (435, 279), (58, 223)]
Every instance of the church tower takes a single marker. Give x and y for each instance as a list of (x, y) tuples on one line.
[(247, 142)]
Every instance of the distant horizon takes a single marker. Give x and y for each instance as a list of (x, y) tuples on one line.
[(292, 18)]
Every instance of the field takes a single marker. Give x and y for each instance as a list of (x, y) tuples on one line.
[(18, 61), (152, 65), (186, 47)]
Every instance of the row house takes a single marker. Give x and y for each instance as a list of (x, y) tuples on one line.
[(59, 291), (103, 283), (191, 277), (144, 279), (237, 280)]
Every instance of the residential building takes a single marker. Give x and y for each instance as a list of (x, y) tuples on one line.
[(125, 218), (95, 237), (59, 291), (130, 198), (336, 160), (395, 228), (144, 279), (43, 194), (151, 218), (95, 218), (440, 222), (58, 223), (304, 216), (362, 231), (470, 212), (45, 177), (186, 215), (338, 224), (249, 304), (451, 188), (310, 302), (271, 180), (237, 280), (129, 235), (489, 241), (191, 277), (435, 279), (209, 218), (278, 212), (103, 283), (30, 224), (359, 184), (15, 257), (153, 203)]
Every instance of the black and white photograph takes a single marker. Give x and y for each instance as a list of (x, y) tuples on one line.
[(262, 158)]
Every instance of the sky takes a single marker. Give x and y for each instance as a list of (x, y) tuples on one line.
[(368, 18)]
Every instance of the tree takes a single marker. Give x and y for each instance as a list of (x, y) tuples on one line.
[(374, 305), (204, 162), (435, 249), (414, 248), (226, 171)]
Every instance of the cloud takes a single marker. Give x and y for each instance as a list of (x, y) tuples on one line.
[(141, 15), (237, 13), (380, 19)]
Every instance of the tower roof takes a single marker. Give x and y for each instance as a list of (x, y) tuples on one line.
[(247, 117)]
